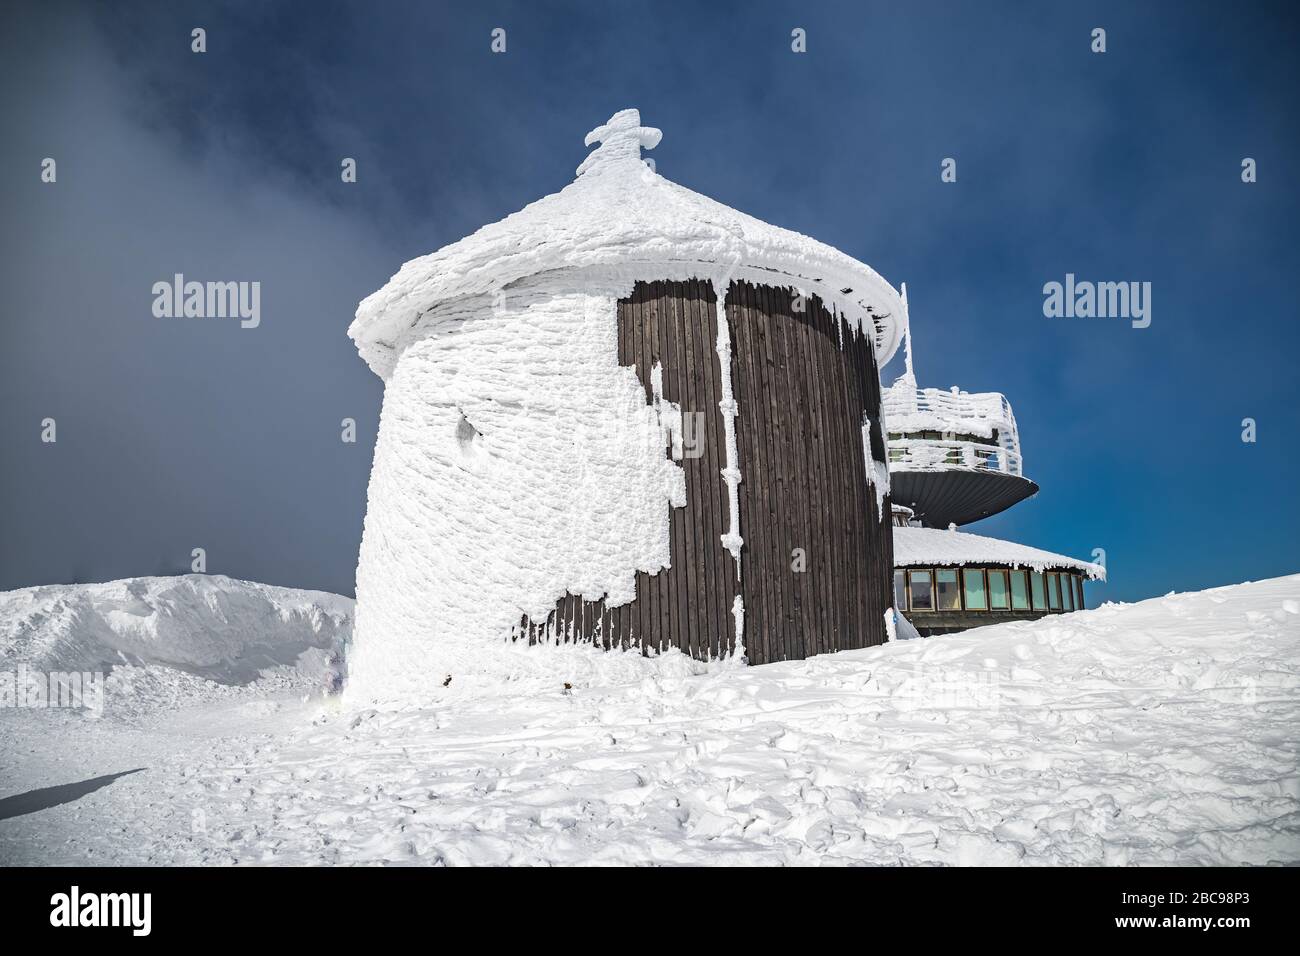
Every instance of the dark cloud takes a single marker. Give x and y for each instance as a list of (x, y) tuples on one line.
[(224, 166)]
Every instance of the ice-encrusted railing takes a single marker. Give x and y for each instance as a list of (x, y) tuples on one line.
[(955, 415)]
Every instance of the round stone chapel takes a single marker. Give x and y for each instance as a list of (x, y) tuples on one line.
[(627, 416)]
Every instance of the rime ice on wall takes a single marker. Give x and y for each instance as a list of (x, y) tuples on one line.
[(516, 460), (732, 540)]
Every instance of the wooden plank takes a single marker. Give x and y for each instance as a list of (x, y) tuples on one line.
[(883, 546), (749, 330), (825, 567), (829, 363), (847, 504), (880, 523), (626, 356), (880, 546), (785, 387), (674, 331), (730, 311), (704, 536), (648, 601), (858, 507), (782, 500), (872, 524), (770, 493), (721, 566), (749, 428), (794, 386), (814, 576), (725, 569)]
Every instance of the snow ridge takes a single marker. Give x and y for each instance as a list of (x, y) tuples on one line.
[(210, 626)]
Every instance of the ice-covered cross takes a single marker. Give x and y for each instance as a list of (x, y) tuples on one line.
[(621, 140)]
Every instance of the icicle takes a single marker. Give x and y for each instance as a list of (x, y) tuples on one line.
[(877, 471), (732, 540), (738, 614), (908, 373)]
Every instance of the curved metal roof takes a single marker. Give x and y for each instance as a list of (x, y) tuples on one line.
[(941, 498)]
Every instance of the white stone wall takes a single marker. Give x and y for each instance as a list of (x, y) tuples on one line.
[(516, 460)]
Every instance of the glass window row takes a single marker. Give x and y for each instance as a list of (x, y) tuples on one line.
[(987, 589)]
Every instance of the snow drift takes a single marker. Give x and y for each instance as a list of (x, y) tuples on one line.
[(210, 626)]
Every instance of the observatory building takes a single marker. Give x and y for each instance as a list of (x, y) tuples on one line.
[(626, 415), (954, 458)]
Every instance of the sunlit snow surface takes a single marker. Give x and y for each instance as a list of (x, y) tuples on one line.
[(1160, 732)]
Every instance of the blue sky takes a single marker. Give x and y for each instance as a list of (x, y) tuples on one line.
[(1119, 166)]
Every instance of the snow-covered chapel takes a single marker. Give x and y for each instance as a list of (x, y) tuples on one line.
[(580, 443)]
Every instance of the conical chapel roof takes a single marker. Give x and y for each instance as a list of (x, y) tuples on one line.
[(619, 215)]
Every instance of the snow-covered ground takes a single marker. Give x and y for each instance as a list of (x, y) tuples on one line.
[(1159, 732)]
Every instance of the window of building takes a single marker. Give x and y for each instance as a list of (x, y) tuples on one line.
[(900, 591), (943, 436), (1040, 591), (976, 597), (1054, 591), (1067, 591), (1020, 590), (922, 591), (999, 600), (947, 597), (1078, 593)]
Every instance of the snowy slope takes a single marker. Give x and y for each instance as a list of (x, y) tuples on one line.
[(210, 626), (1159, 732)]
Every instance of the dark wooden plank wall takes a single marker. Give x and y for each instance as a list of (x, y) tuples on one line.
[(802, 382)]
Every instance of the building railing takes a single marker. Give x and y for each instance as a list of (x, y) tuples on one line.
[(931, 429), (923, 454)]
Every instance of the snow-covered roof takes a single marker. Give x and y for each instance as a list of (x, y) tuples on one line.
[(930, 547), (619, 213), (912, 409)]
